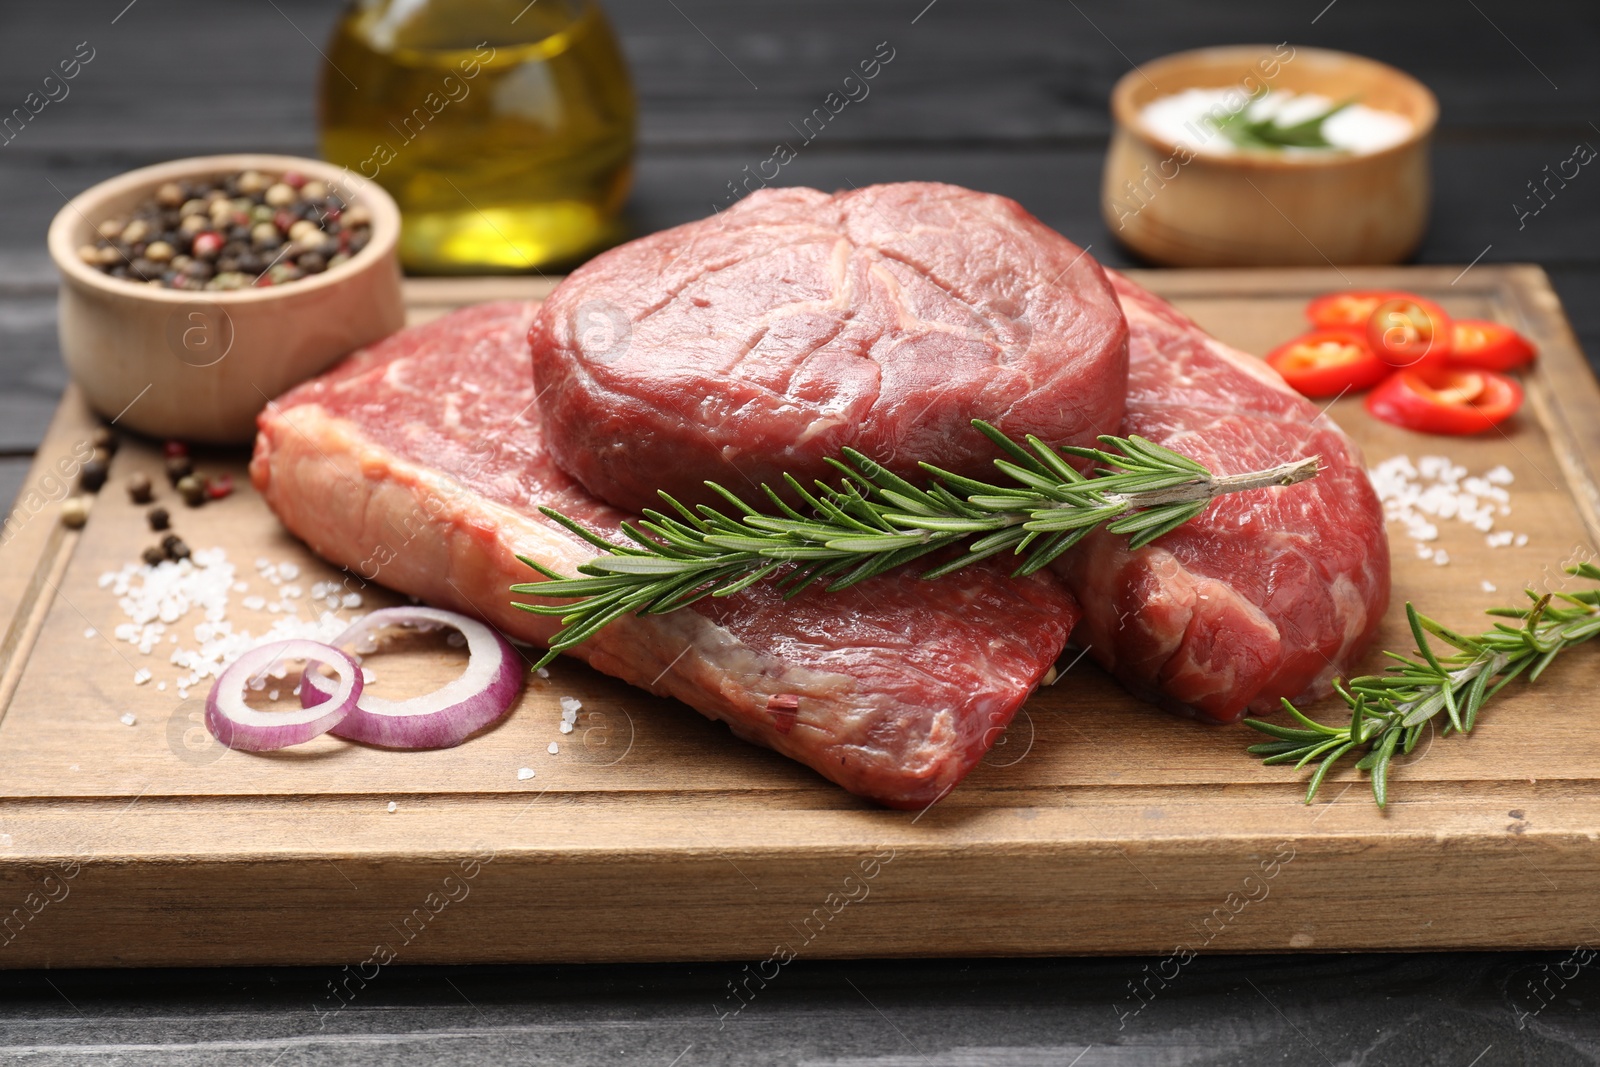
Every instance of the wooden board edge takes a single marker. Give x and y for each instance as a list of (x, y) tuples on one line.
[(1562, 388), (38, 548), (1267, 893)]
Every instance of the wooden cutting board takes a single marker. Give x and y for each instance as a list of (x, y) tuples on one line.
[(1099, 825)]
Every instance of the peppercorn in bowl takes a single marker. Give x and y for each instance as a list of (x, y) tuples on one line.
[(193, 292)]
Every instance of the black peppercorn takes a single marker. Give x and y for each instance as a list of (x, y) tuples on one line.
[(159, 519), (179, 468), (175, 547), (139, 488), (105, 440), (153, 555), (93, 475)]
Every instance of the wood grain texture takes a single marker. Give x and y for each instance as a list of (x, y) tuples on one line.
[(1099, 826)]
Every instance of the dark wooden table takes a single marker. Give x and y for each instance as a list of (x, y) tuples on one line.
[(1004, 95)]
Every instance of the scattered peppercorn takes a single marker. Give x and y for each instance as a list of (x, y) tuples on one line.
[(104, 439), (140, 491), (225, 232), (74, 512), (159, 519), (219, 487), (153, 555), (93, 475), (179, 468), (193, 490), (175, 547)]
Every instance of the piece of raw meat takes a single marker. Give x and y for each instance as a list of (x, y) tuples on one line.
[(420, 462), (766, 338), (1268, 594)]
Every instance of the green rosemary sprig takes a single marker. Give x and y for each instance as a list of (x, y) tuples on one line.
[(873, 521), (1246, 132), (1390, 710)]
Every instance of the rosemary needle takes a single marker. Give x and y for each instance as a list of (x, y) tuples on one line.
[(873, 521), (1388, 711), (1266, 133)]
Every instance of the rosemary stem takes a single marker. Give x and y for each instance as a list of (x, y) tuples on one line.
[(1292, 473)]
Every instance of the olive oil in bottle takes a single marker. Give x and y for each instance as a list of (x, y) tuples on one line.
[(503, 129)]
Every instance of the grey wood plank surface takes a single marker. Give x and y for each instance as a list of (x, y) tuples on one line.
[(1421, 1011)]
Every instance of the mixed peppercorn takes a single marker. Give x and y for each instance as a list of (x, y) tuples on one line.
[(195, 489), (231, 232)]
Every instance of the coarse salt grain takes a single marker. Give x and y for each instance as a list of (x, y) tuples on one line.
[(1488, 586), (565, 727), (141, 676), (543, 672), (90, 632), (1433, 490), (570, 707), (254, 603), (128, 718), (392, 807), (288, 571), (524, 774), (352, 600), (554, 748), (176, 590)]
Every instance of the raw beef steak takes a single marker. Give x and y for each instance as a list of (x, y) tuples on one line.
[(419, 463), (795, 323), (1268, 594)]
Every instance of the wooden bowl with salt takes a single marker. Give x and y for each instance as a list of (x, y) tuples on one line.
[(1200, 202)]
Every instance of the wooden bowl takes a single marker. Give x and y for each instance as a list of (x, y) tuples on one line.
[(199, 366), (1182, 208)]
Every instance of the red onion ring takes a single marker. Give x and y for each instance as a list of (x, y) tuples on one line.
[(447, 716), (237, 725)]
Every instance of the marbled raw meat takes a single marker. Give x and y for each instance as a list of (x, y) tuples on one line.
[(420, 463)]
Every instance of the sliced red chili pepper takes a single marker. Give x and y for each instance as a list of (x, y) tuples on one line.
[(1410, 331), (1487, 345), (1328, 362), (1348, 310), (1450, 400)]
